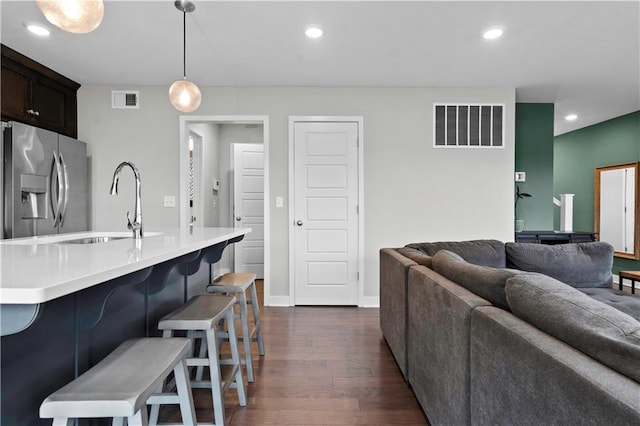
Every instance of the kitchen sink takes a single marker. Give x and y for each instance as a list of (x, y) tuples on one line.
[(91, 240), (77, 238)]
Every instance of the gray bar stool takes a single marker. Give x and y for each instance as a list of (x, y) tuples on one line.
[(121, 385), (237, 283), (205, 314)]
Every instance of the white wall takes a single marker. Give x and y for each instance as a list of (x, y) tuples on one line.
[(148, 137), (413, 192)]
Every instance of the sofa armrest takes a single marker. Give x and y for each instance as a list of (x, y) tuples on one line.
[(394, 268), (521, 375), (439, 314)]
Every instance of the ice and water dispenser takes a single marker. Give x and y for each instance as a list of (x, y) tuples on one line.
[(33, 189)]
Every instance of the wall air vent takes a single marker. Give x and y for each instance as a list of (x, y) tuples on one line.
[(468, 125), (125, 99)]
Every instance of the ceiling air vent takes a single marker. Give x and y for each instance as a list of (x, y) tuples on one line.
[(125, 99), (468, 125)]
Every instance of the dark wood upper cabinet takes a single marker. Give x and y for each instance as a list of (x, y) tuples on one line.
[(34, 94)]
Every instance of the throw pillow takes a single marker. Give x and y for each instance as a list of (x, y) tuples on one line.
[(598, 330), (484, 281), (416, 255)]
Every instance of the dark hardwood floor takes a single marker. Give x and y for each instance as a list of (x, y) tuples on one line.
[(323, 366)]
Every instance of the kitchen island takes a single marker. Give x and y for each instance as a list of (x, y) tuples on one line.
[(66, 303)]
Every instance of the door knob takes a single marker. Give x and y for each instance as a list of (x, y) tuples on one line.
[(238, 218), (299, 223)]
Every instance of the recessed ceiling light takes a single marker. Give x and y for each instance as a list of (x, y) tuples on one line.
[(571, 117), (492, 34), (37, 29), (313, 32)]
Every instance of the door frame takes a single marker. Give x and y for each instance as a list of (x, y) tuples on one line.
[(263, 120), (197, 165), (293, 119)]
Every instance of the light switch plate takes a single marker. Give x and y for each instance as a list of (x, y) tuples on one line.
[(521, 176), (279, 202), (169, 201)]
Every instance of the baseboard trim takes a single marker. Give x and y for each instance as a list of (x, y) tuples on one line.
[(284, 301), (627, 283), (281, 301), (370, 302), (220, 272)]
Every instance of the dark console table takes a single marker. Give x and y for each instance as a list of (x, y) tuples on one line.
[(554, 237)]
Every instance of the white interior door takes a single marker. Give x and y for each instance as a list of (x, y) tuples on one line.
[(248, 206), (325, 213)]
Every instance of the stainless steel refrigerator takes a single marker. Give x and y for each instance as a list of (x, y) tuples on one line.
[(44, 182)]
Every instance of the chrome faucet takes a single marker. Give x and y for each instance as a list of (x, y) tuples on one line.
[(136, 226)]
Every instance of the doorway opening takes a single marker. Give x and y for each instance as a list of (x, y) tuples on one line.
[(196, 189), (207, 183)]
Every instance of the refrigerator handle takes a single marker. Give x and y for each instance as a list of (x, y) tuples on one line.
[(53, 174), (65, 174), (58, 201)]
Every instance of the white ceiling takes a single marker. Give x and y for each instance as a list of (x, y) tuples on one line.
[(582, 56)]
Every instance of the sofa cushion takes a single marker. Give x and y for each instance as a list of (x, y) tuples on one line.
[(598, 330), (625, 302), (479, 252), (579, 265), (484, 281)]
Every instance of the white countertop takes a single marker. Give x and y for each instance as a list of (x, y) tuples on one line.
[(38, 269)]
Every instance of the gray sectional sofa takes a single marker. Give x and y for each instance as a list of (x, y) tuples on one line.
[(491, 333)]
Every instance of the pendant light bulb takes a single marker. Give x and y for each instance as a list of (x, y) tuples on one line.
[(185, 95), (74, 16)]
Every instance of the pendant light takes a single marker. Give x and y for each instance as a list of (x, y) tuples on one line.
[(183, 94), (74, 16)]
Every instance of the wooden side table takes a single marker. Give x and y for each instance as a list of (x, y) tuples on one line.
[(633, 276)]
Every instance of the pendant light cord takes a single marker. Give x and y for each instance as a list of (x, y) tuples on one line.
[(184, 44)]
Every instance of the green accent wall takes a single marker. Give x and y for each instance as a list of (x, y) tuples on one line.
[(534, 156), (578, 153)]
